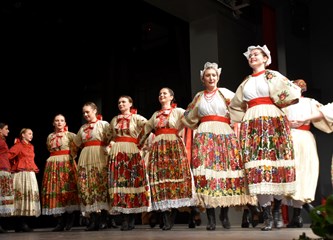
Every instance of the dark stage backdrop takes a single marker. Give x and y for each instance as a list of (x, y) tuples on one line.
[(57, 55)]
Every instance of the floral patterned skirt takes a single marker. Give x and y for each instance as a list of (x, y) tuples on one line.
[(267, 151), (93, 179), (170, 177), (59, 186), (26, 194), (128, 180), (217, 167), (6, 194)]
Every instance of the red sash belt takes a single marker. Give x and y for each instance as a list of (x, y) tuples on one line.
[(126, 139), (215, 118), (304, 127), (57, 153), (166, 131), (94, 143), (260, 100)]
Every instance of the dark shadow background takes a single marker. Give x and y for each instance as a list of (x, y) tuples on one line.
[(57, 55)]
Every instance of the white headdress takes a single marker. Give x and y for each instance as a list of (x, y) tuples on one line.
[(210, 65), (263, 48)]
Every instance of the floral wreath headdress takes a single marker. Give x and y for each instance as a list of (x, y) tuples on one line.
[(263, 48), (210, 65)]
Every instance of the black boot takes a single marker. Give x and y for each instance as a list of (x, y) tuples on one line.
[(194, 217), (153, 219), (255, 214), (246, 218), (224, 217), (60, 224), (173, 215), (103, 222), (93, 222), (21, 225), (70, 218), (211, 219), (308, 207), (131, 221), (296, 221), (111, 222), (277, 214), (124, 222), (268, 219), (167, 225), (2, 230)]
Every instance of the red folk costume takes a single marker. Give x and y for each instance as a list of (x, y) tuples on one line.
[(266, 142), (92, 166), (59, 186), (128, 182), (26, 198), (170, 177), (216, 161), (6, 181)]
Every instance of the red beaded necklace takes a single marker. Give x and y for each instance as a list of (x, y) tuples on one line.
[(209, 95)]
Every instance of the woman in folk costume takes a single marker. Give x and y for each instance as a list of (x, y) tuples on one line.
[(93, 138), (301, 116), (127, 178), (59, 186), (327, 113), (26, 191), (6, 178), (169, 173), (216, 161), (266, 142)]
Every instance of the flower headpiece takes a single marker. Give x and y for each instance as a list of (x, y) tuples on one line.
[(263, 48), (210, 65)]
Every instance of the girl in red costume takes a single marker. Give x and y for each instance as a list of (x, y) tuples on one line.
[(26, 192)]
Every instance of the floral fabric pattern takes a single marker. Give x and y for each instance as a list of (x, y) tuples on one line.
[(128, 171), (268, 155), (92, 185), (59, 191), (169, 175), (6, 193)]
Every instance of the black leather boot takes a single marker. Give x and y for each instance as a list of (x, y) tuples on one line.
[(103, 221), (246, 218), (268, 219), (2, 230), (193, 218), (153, 219), (224, 217), (124, 222), (70, 218), (60, 224), (93, 222), (131, 221), (167, 225), (211, 219), (296, 221), (111, 222), (21, 225), (277, 214), (255, 214), (308, 207)]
